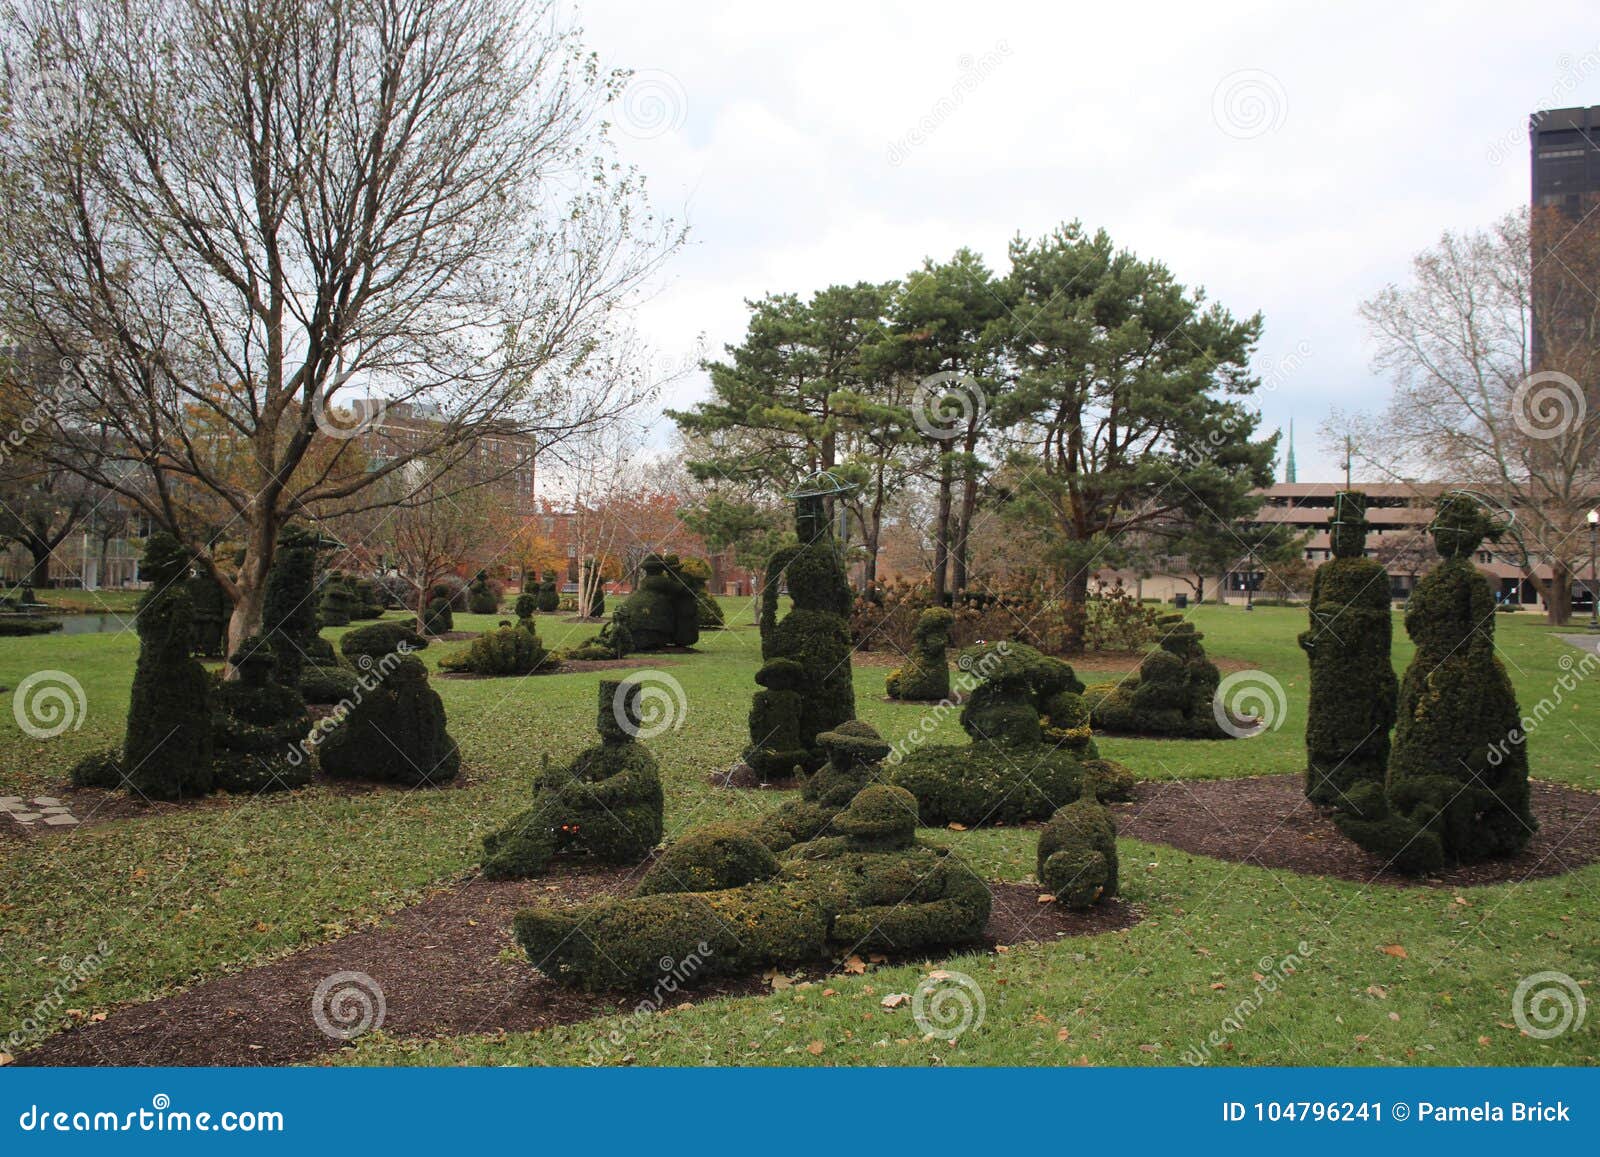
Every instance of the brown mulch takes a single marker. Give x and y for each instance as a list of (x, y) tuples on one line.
[(446, 966), (1266, 821)]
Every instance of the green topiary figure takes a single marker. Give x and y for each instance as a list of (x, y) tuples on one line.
[(696, 573), (549, 593), (926, 675), (211, 610), (1457, 789), (289, 611), (258, 727), (607, 802), (395, 732), (1353, 686), (438, 618), (482, 599), (1077, 860), (815, 636), (167, 749), (339, 601), (526, 606), (661, 612), (1031, 745), (509, 650), (1170, 696), (369, 599)]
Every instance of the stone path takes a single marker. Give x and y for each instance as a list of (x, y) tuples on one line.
[(41, 809), (1590, 643)]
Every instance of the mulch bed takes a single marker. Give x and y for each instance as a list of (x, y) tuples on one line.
[(1266, 821), (446, 966)]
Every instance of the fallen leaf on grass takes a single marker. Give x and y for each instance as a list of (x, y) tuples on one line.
[(1396, 951), (1063, 1034), (777, 979), (957, 827), (895, 999), (814, 1048), (855, 965), (1218, 986)]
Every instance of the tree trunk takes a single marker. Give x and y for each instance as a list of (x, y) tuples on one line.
[(941, 533), (1076, 594), (250, 590), (969, 505), (1558, 604), (39, 571)]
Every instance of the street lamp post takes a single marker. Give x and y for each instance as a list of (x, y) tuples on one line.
[(1594, 591)]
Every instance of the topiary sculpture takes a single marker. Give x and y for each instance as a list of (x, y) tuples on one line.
[(438, 618), (289, 611), (1457, 787), (661, 612), (1031, 746), (549, 593), (1170, 696), (1353, 685), (482, 597), (513, 649), (1077, 860), (815, 637), (607, 802), (696, 573), (210, 609), (926, 675), (526, 606), (167, 748), (395, 732), (339, 601), (258, 727)]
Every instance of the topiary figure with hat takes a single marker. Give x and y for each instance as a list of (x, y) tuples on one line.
[(259, 726)]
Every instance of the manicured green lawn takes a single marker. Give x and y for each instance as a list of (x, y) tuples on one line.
[(226, 886)]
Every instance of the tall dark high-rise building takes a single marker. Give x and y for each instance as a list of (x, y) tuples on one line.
[(1566, 157)]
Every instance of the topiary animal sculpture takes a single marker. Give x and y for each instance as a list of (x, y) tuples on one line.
[(1077, 860), (607, 802)]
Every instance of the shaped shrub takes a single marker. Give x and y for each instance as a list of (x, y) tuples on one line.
[(379, 639), (396, 730), (526, 606), (1457, 786), (549, 593), (167, 749), (710, 859), (289, 612), (606, 803), (1353, 694), (1077, 860), (508, 650), (1170, 696), (438, 618), (211, 610), (339, 601), (661, 612), (258, 727), (483, 595), (926, 675)]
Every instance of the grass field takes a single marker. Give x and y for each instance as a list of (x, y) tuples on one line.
[(189, 896)]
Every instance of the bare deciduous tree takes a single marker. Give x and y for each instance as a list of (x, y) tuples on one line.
[(226, 212)]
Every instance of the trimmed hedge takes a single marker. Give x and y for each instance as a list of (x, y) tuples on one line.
[(1170, 697), (13, 626), (376, 640), (926, 675)]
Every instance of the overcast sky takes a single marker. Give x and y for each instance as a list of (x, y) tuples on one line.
[(1289, 157)]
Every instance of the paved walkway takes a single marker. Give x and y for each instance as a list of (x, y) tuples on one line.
[(1590, 643), (42, 809)]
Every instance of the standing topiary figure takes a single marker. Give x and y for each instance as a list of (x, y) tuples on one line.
[(482, 598), (259, 726), (607, 802), (167, 750), (339, 602), (526, 606), (1353, 685), (927, 674), (437, 616), (549, 593), (815, 635), (289, 612), (396, 732), (1457, 787), (211, 609)]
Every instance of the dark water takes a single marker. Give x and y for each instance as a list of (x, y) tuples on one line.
[(94, 624)]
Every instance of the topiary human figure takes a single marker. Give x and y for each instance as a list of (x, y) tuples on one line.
[(1077, 860), (167, 749), (211, 609), (438, 618), (607, 802), (1170, 696), (696, 573), (815, 635), (526, 605), (549, 593), (1457, 790), (1353, 685), (396, 731), (661, 612), (874, 886), (258, 726), (1031, 746), (289, 610), (926, 675), (481, 596), (339, 602)]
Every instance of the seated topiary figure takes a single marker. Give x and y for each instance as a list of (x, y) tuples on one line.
[(1457, 787), (709, 859), (1170, 696), (514, 649), (607, 802), (696, 573), (814, 636), (1030, 745), (167, 749), (549, 593), (482, 598), (926, 675), (874, 887), (661, 612), (1353, 686), (258, 727), (1077, 861), (395, 732)]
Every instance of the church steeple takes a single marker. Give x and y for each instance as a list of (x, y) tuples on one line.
[(1288, 462)]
